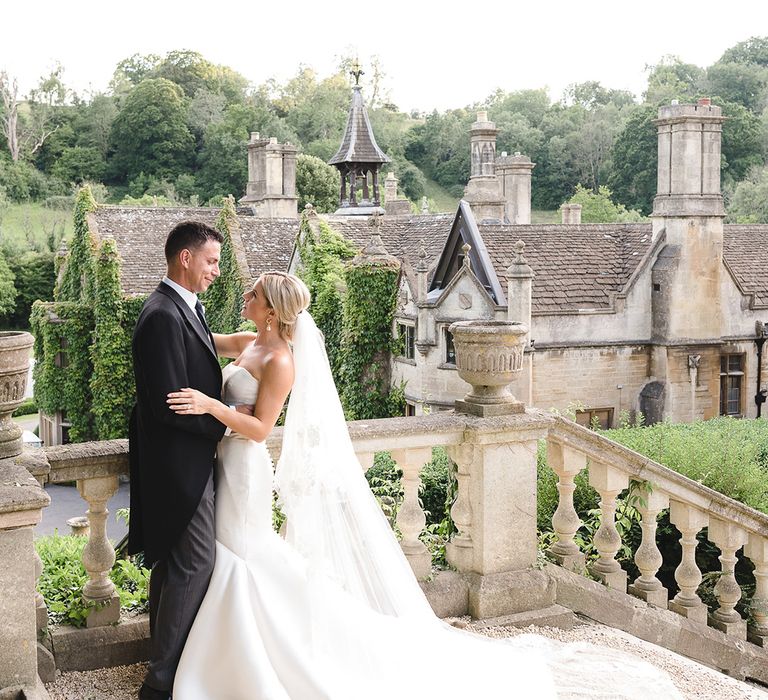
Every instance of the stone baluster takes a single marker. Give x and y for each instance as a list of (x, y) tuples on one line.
[(99, 554), (609, 482), (459, 551), (757, 550), (728, 537), (21, 504), (566, 463), (689, 520), (648, 557), (410, 518)]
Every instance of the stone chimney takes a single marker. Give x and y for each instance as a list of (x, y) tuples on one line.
[(688, 207), (271, 189), (514, 175), (392, 204), (571, 213), (482, 191)]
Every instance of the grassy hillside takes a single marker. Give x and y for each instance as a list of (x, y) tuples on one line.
[(440, 200), (33, 226)]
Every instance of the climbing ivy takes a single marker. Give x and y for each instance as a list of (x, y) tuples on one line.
[(112, 384), (222, 299), (79, 280), (63, 368), (323, 252), (353, 303), (366, 342)]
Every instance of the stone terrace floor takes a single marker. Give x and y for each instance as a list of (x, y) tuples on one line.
[(692, 679)]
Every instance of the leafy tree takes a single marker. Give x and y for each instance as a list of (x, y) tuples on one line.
[(79, 164), (598, 207), (8, 291), (742, 145), (671, 79), (317, 183), (94, 123), (749, 202), (188, 69), (744, 84), (633, 177), (223, 159), (753, 50), (34, 277), (150, 134)]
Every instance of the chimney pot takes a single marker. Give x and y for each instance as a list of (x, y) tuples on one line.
[(503, 154), (482, 116), (675, 103), (705, 101)]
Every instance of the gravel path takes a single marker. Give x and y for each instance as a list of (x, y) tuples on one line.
[(695, 682)]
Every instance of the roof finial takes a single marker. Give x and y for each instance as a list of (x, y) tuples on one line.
[(422, 264), (519, 248), (356, 72), (465, 249)]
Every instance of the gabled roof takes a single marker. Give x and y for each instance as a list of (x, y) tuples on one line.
[(359, 144), (745, 250), (401, 235), (465, 231), (140, 233), (575, 266)]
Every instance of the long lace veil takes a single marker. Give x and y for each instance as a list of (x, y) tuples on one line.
[(333, 519), (335, 523)]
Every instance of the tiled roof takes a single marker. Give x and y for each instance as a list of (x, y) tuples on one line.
[(268, 243), (359, 144), (575, 266), (140, 233), (745, 249), (401, 235)]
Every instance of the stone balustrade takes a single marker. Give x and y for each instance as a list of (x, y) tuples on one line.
[(730, 525), (494, 552)]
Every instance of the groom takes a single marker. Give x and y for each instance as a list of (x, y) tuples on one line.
[(172, 455)]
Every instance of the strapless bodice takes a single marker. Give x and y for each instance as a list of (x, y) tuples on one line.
[(239, 386)]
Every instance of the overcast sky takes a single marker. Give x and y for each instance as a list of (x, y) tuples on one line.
[(436, 54)]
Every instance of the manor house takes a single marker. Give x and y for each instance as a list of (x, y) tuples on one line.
[(663, 319)]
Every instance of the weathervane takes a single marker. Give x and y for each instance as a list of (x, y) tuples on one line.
[(356, 71)]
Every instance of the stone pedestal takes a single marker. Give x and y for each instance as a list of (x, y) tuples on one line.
[(14, 365)]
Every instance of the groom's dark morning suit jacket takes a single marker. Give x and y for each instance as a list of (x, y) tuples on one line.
[(171, 456)]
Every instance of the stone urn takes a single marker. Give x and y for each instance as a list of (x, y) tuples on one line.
[(14, 365), (489, 356)]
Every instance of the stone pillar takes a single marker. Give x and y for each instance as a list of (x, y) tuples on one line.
[(566, 463), (411, 518), (757, 551), (648, 557), (571, 213), (519, 284), (482, 191), (608, 482), (271, 189), (99, 554), (688, 520), (514, 174), (21, 504), (390, 188), (728, 537), (425, 326), (689, 207)]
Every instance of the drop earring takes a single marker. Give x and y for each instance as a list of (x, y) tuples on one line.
[(269, 324)]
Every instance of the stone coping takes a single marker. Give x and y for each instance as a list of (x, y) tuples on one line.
[(671, 482), (19, 493)]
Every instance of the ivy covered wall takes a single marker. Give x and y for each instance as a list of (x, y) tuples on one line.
[(354, 298), (83, 339)]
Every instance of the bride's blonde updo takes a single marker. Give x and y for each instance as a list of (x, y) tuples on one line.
[(287, 296)]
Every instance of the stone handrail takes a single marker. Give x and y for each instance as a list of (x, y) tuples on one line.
[(692, 507)]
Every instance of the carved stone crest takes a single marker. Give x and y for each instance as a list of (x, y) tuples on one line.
[(465, 301)]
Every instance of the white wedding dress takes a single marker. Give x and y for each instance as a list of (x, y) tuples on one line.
[(332, 612)]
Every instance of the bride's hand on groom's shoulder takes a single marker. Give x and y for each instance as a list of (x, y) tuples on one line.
[(189, 402)]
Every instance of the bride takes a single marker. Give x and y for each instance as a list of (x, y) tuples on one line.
[(332, 611)]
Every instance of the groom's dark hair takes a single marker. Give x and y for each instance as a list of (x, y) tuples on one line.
[(190, 235)]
